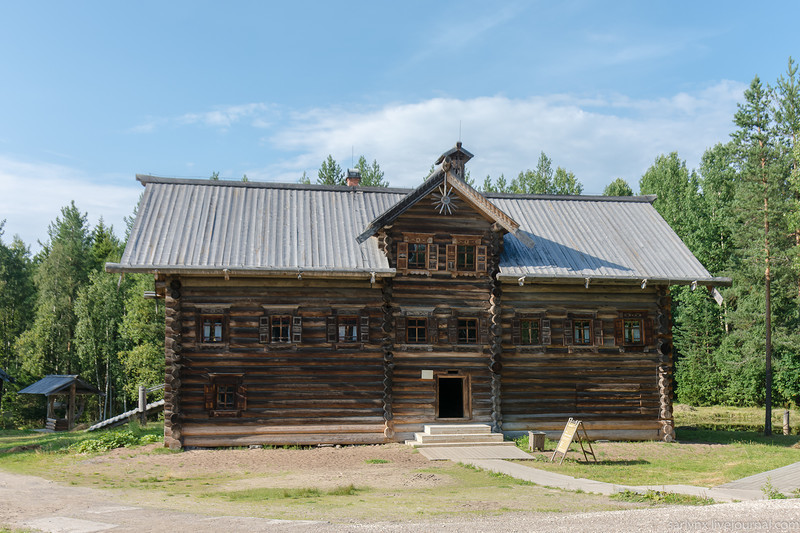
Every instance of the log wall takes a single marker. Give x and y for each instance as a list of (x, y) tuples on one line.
[(619, 392), (307, 392)]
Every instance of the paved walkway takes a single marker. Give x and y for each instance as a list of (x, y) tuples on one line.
[(785, 479)]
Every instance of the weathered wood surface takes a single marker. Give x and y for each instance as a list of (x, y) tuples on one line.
[(318, 391)]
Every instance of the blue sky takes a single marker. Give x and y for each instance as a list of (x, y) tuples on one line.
[(92, 93)]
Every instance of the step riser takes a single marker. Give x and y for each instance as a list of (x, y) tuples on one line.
[(417, 444), (422, 437), (457, 429)]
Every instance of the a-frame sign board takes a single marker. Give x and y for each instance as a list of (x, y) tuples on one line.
[(566, 439)]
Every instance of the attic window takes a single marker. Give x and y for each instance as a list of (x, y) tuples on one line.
[(465, 258), (466, 255), (417, 253)]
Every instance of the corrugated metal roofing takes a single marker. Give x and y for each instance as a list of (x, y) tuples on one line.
[(202, 225), (54, 384), (582, 237)]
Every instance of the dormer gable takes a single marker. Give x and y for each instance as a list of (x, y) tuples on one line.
[(444, 184)]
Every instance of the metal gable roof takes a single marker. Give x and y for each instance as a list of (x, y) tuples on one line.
[(54, 384), (204, 226), (597, 238)]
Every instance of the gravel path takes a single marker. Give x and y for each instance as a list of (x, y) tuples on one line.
[(33, 503)]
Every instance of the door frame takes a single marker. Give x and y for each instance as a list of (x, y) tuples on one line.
[(466, 390)]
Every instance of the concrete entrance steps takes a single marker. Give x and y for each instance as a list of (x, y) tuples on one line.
[(457, 435)]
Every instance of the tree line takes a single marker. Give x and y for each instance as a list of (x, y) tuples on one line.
[(739, 213)]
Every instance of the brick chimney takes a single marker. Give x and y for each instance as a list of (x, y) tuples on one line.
[(353, 177)]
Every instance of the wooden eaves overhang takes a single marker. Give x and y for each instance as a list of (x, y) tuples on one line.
[(443, 174)]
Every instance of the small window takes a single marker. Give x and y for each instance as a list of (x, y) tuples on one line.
[(465, 257), (212, 329), (417, 330), (582, 331), (225, 395), (280, 328), (417, 256), (529, 331), (226, 398), (467, 331), (348, 329), (632, 331)]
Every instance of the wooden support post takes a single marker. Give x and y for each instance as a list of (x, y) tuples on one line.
[(787, 429), (71, 407), (143, 405)]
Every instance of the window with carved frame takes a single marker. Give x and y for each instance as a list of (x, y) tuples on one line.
[(225, 395), (467, 330), (633, 328)]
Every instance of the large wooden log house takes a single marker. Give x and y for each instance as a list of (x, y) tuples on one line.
[(306, 314)]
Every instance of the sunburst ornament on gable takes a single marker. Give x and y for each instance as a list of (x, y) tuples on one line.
[(443, 200)]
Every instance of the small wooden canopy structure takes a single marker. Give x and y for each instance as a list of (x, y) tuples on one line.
[(54, 385)]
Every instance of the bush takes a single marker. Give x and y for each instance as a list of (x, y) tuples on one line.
[(113, 439)]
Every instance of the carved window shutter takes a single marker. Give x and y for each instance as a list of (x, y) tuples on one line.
[(330, 326), (516, 334), (618, 339), (241, 398), (433, 331), (208, 394), (452, 329), (263, 329), (484, 330), (402, 256), (297, 329), (433, 257), (546, 332), (451, 257), (400, 330), (567, 332), (363, 327), (649, 332), (480, 258), (598, 332)]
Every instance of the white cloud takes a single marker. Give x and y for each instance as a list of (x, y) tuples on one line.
[(34, 193), (257, 115), (598, 138)]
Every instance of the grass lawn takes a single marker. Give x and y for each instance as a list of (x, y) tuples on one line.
[(701, 457)]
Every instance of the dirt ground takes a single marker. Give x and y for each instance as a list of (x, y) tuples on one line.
[(324, 467)]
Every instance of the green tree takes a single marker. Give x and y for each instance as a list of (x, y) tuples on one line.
[(330, 173), (99, 309), (17, 296), (371, 175), (544, 180), (66, 259), (760, 196), (142, 336), (618, 187)]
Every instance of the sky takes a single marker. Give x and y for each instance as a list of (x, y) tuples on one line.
[(93, 93)]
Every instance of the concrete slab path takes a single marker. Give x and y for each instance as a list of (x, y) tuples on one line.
[(786, 480)]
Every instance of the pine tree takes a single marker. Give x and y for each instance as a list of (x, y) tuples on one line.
[(371, 175), (330, 173), (760, 196)]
